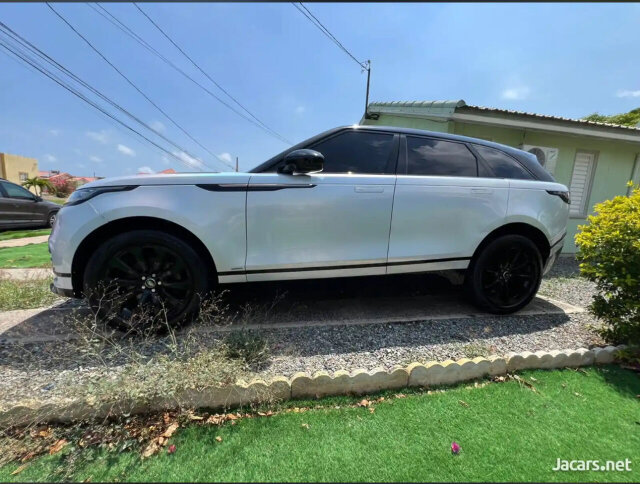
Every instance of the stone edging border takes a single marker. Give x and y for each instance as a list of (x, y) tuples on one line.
[(303, 385)]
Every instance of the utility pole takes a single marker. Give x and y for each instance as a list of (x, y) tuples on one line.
[(366, 102), (236, 164)]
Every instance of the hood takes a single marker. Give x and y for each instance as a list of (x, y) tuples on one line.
[(170, 179)]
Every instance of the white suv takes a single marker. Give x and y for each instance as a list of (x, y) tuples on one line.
[(352, 201)]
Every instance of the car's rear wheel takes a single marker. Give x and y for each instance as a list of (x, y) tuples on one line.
[(506, 275), (145, 279)]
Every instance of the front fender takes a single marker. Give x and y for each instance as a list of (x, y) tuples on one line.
[(216, 218)]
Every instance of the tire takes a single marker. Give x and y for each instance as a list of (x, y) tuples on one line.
[(505, 276), (51, 219), (145, 280)]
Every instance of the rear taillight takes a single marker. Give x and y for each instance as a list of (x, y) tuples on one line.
[(562, 194)]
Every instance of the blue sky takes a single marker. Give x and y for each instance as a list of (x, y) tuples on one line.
[(559, 59)]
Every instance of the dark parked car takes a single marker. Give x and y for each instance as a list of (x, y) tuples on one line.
[(21, 208)]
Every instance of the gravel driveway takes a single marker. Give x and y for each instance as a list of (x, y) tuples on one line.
[(40, 368)]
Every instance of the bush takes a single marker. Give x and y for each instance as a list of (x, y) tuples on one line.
[(62, 187), (609, 253)]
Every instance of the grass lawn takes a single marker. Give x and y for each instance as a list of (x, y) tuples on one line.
[(507, 432), (25, 294), (32, 255), (59, 201), (20, 234)]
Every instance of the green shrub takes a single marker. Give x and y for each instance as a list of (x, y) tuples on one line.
[(609, 255)]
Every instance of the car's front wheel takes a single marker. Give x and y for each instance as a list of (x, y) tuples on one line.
[(145, 279), (505, 276)]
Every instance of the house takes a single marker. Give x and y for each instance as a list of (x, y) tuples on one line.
[(595, 160), (17, 168)]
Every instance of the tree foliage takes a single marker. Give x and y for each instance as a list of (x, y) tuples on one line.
[(37, 183), (609, 252), (62, 187), (632, 118)]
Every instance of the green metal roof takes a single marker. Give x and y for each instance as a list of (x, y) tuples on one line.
[(447, 108)]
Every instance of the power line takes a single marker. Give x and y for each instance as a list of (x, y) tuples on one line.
[(131, 83), (24, 44), (262, 124), (314, 20), (31, 62), (124, 28)]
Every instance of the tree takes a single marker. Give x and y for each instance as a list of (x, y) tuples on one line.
[(632, 118), (36, 182)]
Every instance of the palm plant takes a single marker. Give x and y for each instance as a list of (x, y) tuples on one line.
[(36, 182)]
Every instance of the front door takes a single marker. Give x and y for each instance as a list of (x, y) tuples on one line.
[(330, 224), (19, 206)]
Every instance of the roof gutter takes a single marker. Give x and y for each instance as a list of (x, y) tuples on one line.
[(515, 123)]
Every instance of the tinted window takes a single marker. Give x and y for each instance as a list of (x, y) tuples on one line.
[(357, 152), (501, 164), (437, 157), (14, 191)]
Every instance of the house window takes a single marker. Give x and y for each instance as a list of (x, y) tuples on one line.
[(23, 176), (584, 168)]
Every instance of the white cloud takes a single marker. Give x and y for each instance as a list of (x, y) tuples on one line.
[(95, 159), (125, 150), (189, 160), (226, 157), (50, 158), (300, 109), (158, 126), (146, 169), (81, 165), (54, 132), (99, 136), (516, 93), (627, 93)]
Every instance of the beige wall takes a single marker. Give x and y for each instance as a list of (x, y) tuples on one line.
[(12, 165)]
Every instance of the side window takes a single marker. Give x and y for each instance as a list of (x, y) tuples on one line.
[(436, 157), (357, 152), (501, 164), (14, 191)]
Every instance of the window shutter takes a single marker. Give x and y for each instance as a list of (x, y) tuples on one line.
[(581, 180)]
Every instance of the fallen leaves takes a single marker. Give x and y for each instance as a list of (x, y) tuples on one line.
[(218, 439), (19, 469), (463, 403), (305, 426), (57, 447), (171, 449), (170, 430)]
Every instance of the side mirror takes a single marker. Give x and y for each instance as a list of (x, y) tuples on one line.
[(38, 198), (301, 162)]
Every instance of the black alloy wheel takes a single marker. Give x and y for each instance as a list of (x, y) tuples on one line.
[(506, 275), (145, 279)]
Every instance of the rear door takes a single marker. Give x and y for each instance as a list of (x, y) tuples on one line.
[(329, 224), (442, 210)]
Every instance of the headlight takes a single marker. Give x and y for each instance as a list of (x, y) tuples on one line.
[(84, 194)]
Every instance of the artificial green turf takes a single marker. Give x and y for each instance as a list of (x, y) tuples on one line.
[(20, 234), (32, 255), (507, 433)]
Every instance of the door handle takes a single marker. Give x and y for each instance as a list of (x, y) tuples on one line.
[(481, 190), (369, 189)]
